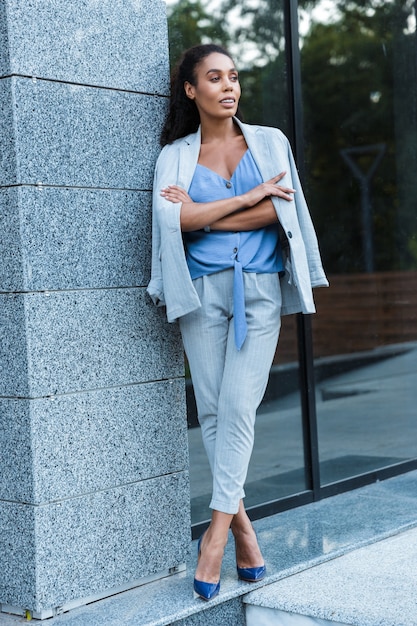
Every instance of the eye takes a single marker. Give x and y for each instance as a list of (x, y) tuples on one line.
[(234, 77), (214, 79)]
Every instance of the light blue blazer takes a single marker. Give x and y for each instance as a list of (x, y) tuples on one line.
[(171, 284)]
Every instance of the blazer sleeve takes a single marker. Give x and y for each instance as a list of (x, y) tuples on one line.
[(155, 288), (170, 283), (317, 275)]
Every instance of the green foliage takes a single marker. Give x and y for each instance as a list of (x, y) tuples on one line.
[(264, 95), (351, 99), (258, 25), (190, 23)]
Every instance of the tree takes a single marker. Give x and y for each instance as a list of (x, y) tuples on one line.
[(350, 98), (190, 23)]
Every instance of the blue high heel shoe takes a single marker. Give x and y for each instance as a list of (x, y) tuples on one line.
[(251, 574), (206, 591)]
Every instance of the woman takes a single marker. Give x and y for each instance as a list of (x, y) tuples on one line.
[(233, 249)]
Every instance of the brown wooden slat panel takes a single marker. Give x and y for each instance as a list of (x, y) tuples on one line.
[(358, 312)]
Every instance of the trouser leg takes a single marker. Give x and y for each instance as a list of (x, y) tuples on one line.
[(229, 384), (204, 334), (244, 381)]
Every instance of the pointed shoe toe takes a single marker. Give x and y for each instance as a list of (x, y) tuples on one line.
[(206, 591), (251, 574)]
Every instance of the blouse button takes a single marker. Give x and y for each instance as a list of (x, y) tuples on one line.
[(289, 234), (228, 184)]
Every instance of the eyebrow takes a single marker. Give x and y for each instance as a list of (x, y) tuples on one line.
[(233, 69)]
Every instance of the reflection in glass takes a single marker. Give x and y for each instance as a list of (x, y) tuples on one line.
[(254, 34), (360, 102)]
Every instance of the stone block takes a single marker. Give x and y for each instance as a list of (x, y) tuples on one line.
[(17, 554), (71, 135), (90, 42), (11, 265), (13, 349), (72, 445), (94, 543), (16, 461), (60, 238), (4, 46), (84, 340), (8, 171), (230, 612)]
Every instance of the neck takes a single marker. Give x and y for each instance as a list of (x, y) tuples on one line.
[(218, 130)]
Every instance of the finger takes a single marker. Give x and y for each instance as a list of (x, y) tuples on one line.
[(171, 195), (286, 189), (277, 190), (277, 178), (285, 196), (282, 193), (172, 192), (173, 188)]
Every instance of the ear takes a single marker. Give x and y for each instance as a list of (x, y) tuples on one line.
[(189, 90)]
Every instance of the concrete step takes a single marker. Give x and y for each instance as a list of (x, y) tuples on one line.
[(373, 586)]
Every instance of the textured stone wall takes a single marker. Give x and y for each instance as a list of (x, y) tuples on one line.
[(93, 467)]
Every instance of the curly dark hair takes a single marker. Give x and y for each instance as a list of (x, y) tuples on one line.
[(183, 117)]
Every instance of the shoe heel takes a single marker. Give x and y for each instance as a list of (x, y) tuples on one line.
[(251, 574)]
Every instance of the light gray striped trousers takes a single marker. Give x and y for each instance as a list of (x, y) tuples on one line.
[(229, 384)]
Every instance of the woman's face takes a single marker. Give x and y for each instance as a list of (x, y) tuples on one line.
[(217, 89)]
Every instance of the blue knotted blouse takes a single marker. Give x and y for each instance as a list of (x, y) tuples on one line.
[(248, 251)]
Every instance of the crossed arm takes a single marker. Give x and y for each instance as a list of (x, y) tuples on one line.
[(249, 211)]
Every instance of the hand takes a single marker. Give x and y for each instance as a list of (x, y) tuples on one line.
[(173, 193), (266, 190)]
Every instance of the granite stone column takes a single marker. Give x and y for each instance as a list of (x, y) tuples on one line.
[(94, 490)]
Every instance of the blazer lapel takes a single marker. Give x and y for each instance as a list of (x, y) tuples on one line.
[(256, 138), (270, 161), (188, 157)]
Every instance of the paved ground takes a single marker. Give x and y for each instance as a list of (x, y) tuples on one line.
[(372, 586)]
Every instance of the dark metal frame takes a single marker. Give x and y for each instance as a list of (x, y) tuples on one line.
[(314, 491)]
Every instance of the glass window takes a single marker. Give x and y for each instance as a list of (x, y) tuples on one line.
[(359, 86)]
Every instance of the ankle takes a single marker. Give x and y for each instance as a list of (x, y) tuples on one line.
[(242, 528), (214, 540)]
